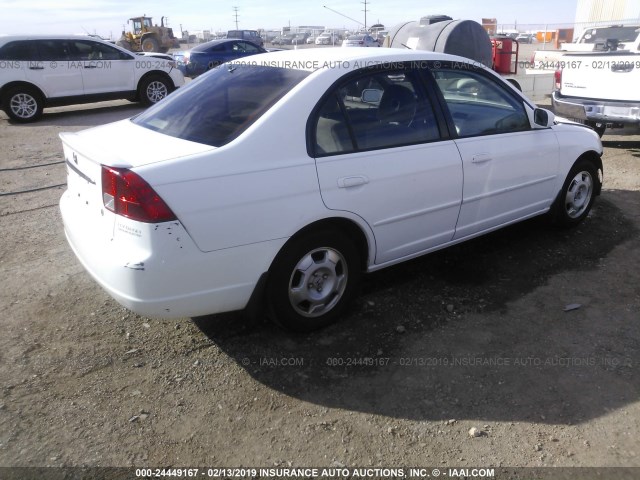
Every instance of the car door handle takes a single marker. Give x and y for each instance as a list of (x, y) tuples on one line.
[(481, 158), (355, 181), (90, 66), (36, 68)]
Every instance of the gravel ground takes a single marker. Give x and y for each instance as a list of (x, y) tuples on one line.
[(475, 336)]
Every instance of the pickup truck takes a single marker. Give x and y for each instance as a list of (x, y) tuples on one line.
[(599, 89), (594, 39)]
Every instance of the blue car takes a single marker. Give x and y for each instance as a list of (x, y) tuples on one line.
[(208, 55)]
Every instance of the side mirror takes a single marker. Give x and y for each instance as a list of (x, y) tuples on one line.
[(543, 118), (371, 95)]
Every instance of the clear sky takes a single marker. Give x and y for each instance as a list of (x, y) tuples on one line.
[(106, 17)]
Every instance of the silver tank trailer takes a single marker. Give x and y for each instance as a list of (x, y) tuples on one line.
[(439, 33)]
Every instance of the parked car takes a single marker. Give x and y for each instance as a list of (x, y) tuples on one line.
[(201, 207), (208, 55), (525, 38), (311, 40), (299, 39), (327, 39), (360, 41), (283, 39), (251, 35), (53, 70), (599, 89), (381, 35)]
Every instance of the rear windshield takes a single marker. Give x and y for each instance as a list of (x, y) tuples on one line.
[(220, 105), (599, 35)]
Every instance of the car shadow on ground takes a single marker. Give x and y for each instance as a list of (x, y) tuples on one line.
[(629, 145), (435, 338), (88, 115)]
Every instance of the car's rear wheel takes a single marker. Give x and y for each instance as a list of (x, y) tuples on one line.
[(23, 104), (313, 280), (153, 89), (577, 195)]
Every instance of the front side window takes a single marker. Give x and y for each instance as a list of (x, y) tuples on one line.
[(377, 110), (219, 106), (87, 50), (479, 105)]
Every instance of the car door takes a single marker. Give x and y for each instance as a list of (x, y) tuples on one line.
[(105, 69), (510, 168), (380, 155), (53, 73)]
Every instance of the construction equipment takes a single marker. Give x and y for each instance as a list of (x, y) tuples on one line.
[(147, 37)]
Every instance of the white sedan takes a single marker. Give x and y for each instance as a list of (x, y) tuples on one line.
[(278, 181), (361, 40)]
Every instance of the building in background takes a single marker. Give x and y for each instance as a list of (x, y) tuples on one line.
[(598, 12)]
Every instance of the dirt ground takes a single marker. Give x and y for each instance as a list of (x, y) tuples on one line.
[(475, 336)]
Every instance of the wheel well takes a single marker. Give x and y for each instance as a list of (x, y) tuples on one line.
[(594, 158), (11, 85), (344, 225)]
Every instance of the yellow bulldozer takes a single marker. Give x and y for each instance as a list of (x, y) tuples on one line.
[(147, 37)]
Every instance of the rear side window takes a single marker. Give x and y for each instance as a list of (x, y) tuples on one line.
[(20, 50), (220, 105), (57, 50), (244, 47)]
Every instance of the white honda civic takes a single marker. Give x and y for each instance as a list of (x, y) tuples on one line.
[(278, 181)]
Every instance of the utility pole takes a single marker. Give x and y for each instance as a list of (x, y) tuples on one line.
[(235, 14), (365, 13), (342, 15)]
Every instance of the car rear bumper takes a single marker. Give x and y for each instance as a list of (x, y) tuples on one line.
[(594, 110), (156, 270)]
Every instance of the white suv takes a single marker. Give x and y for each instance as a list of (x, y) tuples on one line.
[(47, 71)]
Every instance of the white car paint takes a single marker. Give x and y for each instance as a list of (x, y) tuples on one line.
[(237, 205), (76, 77)]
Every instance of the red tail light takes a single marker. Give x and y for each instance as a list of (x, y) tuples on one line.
[(558, 79), (126, 193)]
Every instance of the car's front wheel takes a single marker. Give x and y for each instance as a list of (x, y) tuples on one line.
[(23, 104), (313, 280), (577, 195), (153, 89)]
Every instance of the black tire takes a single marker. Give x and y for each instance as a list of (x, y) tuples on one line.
[(153, 89), (575, 200), (598, 127), (23, 104), (150, 44), (305, 299)]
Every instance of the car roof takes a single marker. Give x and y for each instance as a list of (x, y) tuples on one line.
[(312, 59), (40, 36), (220, 41)]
